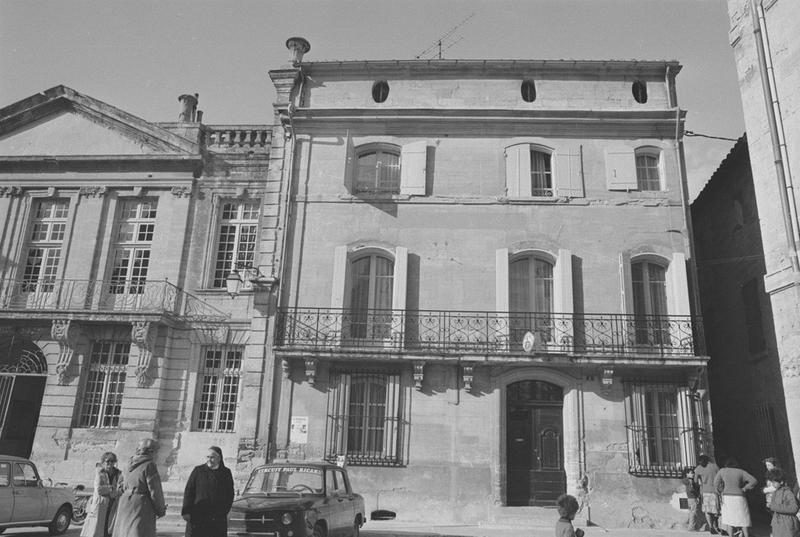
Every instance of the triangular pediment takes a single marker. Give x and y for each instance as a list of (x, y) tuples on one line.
[(62, 122), (68, 133)]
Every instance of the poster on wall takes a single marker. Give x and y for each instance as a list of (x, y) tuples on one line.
[(299, 432)]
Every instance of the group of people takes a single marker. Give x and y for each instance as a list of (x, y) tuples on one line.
[(720, 494), (127, 502)]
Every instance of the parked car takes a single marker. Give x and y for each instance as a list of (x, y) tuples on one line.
[(26, 501), (298, 499)]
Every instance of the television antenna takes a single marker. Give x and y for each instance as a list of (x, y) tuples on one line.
[(444, 42)]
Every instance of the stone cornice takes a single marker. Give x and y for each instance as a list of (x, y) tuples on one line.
[(501, 122), (494, 68)]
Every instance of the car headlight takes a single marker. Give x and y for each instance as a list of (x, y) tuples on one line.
[(286, 519)]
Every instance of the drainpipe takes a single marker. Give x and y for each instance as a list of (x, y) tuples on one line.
[(785, 189)]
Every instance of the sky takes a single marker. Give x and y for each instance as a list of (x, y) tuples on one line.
[(140, 55)]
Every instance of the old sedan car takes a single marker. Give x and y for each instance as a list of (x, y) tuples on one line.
[(297, 499), (25, 501)]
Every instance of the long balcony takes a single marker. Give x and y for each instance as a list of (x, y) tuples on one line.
[(444, 333), (100, 299)]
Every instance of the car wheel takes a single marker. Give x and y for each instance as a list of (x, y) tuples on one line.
[(61, 521), (357, 527), (319, 531)]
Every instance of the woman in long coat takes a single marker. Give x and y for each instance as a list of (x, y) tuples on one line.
[(142, 499), (103, 504), (208, 497)]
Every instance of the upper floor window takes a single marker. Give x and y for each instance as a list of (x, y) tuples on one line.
[(387, 169), (530, 297), (380, 91), (650, 303), (218, 387), (105, 384), (537, 171), (647, 169), (371, 283), (238, 225), (378, 170), (528, 90), (639, 90), (48, 228), (135, 229)]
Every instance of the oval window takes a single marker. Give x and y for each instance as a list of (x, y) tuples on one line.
[(380, 91), (528, 90), (640, 91)]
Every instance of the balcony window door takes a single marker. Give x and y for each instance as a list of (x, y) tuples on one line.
[(236, 246), (43, 257), (530, 298), (135, 228), (369, 315), (651, 321)]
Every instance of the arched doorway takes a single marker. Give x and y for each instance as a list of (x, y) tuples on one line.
[(23, 374), (534, 443)]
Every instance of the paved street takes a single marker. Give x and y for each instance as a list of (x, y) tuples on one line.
[(383, 529)]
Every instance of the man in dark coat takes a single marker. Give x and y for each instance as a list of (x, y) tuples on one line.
[(208, 497)]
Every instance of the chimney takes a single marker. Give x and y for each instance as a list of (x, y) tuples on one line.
[(188, 108), (297, 47)]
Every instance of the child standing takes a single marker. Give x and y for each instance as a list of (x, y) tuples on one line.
[(693, 520), (784, 506), (567, 509)]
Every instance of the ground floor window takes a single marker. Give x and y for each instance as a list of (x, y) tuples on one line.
[(365, 419), (218, 388), (663, 426), (105, 384)]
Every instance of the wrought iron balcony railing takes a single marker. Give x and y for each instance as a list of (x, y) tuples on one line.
[(487, 332), (664, 451), (112, 296)]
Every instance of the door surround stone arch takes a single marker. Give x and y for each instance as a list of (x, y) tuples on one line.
[(573, 400)]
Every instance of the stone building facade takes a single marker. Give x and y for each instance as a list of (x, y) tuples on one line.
[(767, 52), (118, 236), (485, 300), (747, 398)]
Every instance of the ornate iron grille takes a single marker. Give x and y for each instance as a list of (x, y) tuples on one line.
[(444, 331)]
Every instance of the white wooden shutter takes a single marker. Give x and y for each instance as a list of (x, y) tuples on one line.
[(625, 284), (563, 303), (569, 172), (339, 277), (518, 170), (399, 286), (678, 286), (501, 296), (413, 162), (349, 166), (391, 427), (621, 168)]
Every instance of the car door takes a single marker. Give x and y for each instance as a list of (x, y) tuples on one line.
[(342, 502), (336, 518), (348, 501), (6, 492), (29, 496)]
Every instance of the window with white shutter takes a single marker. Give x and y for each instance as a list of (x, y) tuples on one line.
[(538, 171)]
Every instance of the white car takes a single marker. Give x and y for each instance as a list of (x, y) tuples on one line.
[(26, 501)]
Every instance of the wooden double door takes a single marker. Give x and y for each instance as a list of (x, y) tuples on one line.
[(534, 441)]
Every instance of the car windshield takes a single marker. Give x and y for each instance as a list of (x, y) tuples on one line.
[(285, 480)]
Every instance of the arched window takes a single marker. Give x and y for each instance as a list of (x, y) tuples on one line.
[(650, 311), (530, 297), (648, 175), (378, 169), (370, 307)]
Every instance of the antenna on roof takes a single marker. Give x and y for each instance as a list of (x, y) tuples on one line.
[(444, 42)]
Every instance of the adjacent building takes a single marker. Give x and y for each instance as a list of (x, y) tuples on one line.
[(117, 238), (763, 38), (486, 297), (744, 373)]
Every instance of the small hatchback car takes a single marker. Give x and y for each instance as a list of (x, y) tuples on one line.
[(302, 499), (25, 501)]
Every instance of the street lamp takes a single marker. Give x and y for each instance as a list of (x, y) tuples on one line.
[(234, 280)]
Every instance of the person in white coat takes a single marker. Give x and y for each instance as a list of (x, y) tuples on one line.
[(103, 504)]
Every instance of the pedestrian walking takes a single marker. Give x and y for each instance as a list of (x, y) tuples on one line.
[(208, 497), (704, 475), (784, 506), (142, 499), (567, 509), (102, 506), (733, 482), (692, 489)]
